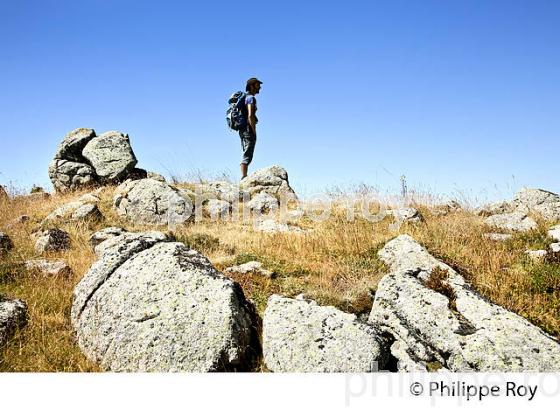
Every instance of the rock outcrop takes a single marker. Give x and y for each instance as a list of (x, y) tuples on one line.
[(217, 208), (544, 203), (107, 233), (515, 221), (536, 255), (111, 155), (554, 233), (529, 200), (299, 336), (436, 318), (223, 190), (84, 159), (406, 215), (262, 203), (272, 226), (73, 144), (251, 267), (13, 315), (272, 180), (67, 175), (498, 237), (151, 202), (83, 209), (152, 305), (46, 267), (51, 240)]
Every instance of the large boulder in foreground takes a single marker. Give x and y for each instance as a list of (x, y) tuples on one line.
[(272, 180), (299, 336), (111, 155), (13, 315), (151, 202), (152, 305), (438, 320)]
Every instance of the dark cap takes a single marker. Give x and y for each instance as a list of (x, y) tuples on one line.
[(252, 81)]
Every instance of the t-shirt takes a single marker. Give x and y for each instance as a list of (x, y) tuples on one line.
[(250, 99)]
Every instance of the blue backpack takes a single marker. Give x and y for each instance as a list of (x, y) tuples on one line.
[(236, 115)]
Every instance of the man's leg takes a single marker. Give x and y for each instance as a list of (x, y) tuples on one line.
[(248, 146)]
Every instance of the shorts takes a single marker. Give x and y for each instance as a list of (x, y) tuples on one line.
[(248, 141)]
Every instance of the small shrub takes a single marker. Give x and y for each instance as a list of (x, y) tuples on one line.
[(532, 240), (360, 305), (437, 282), (10, 271), (545, 277)]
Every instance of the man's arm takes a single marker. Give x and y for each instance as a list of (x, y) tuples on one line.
[(252, 118)]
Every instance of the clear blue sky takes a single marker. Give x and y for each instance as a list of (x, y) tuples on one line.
[(460, 96)]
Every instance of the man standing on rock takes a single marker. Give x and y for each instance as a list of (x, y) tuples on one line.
[(249, 134)]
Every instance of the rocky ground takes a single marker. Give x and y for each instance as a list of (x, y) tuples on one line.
[(120, 270)]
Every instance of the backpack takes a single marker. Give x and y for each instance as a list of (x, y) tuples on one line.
[(236, 115)]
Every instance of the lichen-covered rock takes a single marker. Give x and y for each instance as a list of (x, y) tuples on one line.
[(299, 336), (68, 175), (263, 202), (453, 326), (46, 267), (51, 240), (223, 190), (252, 267), (554, 232), (536, 255), (6, 243), (104, 234), (272, 226), (152, 305), (272, 180), (156, 176), (111, 155), (73, 143), (83, 209), (498, 237), (13, 315), (217, 208), (147, 201), (514, 221), (545, 203), (406, 215)]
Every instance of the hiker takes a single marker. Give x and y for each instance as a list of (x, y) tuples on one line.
[(248, 134)]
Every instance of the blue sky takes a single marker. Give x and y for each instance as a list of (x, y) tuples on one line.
[(462, 97)]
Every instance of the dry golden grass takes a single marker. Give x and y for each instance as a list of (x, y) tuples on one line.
[(335, 263)]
